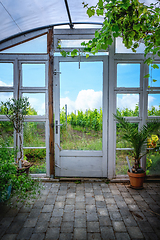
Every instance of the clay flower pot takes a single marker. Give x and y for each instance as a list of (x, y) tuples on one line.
[(136, 179)]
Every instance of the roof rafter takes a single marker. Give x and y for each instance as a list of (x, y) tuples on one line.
[(69, 15)]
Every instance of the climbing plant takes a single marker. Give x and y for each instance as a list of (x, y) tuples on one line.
[(133, 21)]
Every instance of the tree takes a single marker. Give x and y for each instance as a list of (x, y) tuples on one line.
[(16, 110)]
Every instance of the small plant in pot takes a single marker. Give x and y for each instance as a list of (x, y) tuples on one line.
[(138, 139), (16, 110), (22, 187)]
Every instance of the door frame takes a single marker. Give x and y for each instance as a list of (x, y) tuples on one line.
[(61, 165)]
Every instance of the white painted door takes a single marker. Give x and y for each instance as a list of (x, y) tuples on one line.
[(81, 113)]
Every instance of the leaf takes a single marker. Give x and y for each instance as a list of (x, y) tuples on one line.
[(154, 80), (90, 12), (87, 55), (155, 66), (147, 76)]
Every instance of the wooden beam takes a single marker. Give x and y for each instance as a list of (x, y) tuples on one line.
[(50, 102)]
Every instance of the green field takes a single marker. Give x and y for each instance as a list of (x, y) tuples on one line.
[(83, 131)]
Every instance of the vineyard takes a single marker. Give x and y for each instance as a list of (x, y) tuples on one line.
[(81, 131)]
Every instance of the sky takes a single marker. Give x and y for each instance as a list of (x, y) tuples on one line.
[(80, 89)]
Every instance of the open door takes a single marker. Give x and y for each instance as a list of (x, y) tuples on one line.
[(81, 107)]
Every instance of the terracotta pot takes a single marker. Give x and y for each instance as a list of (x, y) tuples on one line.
[(136, 179)]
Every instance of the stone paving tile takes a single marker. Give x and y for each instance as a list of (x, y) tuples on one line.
[(135, 232), (80, 234), (9, 237), (93, 227), (107, 233), (25, 233), (95, 236), (122, 236), (66, 236), (30, 222), (52, 234), (55, 222), (119, 226), (87, 211)]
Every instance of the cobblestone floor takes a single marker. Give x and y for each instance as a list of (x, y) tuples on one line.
[(86, 211)]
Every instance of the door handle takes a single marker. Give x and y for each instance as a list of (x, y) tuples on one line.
[(57, 125)]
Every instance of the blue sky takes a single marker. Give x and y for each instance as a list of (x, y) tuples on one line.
[(81, 89)]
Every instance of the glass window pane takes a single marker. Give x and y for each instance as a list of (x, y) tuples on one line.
[(4, 96), (76, 43), (121, 162), (153, 164), (128, 75), (128, 105), (33, 75), (38, 158), (81, 93), (153, 104), (120, 142), (6, 132), (34, 134), (154, 75), (37, 103), (6, 74), (37, 45), (120, 48)]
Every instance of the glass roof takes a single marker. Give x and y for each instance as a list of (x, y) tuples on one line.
[(18, 16)]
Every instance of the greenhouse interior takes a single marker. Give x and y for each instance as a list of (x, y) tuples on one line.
[(80, 119), (66, 133)]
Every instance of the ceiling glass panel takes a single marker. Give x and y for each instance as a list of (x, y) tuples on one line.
[(20, 16)]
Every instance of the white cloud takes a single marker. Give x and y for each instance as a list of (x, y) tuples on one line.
[(86, 99), (3, 84), (4, 96), (127, 101), (38, 105)]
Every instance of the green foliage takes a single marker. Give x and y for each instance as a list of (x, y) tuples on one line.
[(16, 110), (153, 163), (35, 154), (130, 19), (23, 186), (138, 137), (40, 168)]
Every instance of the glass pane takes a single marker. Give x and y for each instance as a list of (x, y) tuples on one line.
[(33, 75), (128, 105), (153, 104), (120, 48), (4, 96), (34, 134), (76, 43), (81, 93), (154, 75), (153, 164), (6, 132), (37, 103), (120, 142), (6, 74), (37, 45), (38, 158), (128, 75), (121, 162)]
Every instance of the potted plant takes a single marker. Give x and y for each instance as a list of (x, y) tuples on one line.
[(21, 186), (16, 110), (138, 139)]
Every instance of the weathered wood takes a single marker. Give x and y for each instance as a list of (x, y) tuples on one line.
[(50, 102)]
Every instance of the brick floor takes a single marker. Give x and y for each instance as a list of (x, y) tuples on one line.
[(91, 210)]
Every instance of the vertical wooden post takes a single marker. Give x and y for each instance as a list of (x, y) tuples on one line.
[(50, 102)]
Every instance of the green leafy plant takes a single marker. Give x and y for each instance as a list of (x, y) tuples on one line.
[(23, 186), (138, 139), (16, 110), (133, 21)]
